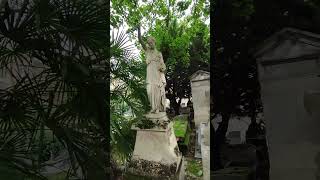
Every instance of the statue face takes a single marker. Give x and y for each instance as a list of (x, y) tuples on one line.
[(151, 42)]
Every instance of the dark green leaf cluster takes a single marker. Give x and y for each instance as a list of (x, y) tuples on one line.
[(54, 51)]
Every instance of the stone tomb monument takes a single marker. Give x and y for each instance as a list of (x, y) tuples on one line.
[(200, 87), (289, 69), (156, 153)]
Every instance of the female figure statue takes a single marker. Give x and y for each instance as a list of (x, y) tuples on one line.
[(156, 81)]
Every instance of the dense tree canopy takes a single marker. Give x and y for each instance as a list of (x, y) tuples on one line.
[(181, 34)]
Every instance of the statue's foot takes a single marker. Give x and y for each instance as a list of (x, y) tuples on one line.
[(157, 111)]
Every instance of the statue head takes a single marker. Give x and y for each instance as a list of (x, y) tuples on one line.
[(151, 42)]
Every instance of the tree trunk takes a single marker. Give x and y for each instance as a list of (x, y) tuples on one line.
[(174, 105), (253, 128)]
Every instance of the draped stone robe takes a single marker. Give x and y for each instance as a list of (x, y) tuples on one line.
[(156, 81)]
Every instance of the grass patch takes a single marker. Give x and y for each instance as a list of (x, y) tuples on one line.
[(194, 168), (180, 126), (187, 138)]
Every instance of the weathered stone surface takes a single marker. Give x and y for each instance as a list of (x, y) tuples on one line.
[(288, 66), (156, 153), (200, 87), (197, 152), (155, 79), (205, 149)]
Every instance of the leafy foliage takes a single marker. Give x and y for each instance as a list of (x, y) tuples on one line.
[(128, 97), (194, 168), (181, 34), (53, 52)]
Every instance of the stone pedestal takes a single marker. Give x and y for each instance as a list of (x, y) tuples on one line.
[(156, 153)]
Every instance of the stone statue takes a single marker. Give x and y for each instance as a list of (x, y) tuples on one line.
[(155, 79)]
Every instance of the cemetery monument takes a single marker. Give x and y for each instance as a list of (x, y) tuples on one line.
[(156, 153)]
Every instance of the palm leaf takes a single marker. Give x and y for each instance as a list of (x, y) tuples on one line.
[(66, 44)]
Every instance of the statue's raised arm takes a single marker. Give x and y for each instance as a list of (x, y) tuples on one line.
[(140, 39)]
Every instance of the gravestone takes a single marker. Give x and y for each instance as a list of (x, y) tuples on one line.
[(289, 68), (234, 137), (200, 87)]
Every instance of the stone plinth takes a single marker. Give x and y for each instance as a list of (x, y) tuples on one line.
[(156, 153)]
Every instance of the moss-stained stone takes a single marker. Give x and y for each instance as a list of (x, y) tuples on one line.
[(152, 169)]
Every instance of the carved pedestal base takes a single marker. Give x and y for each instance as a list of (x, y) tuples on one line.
[(156, 153)]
